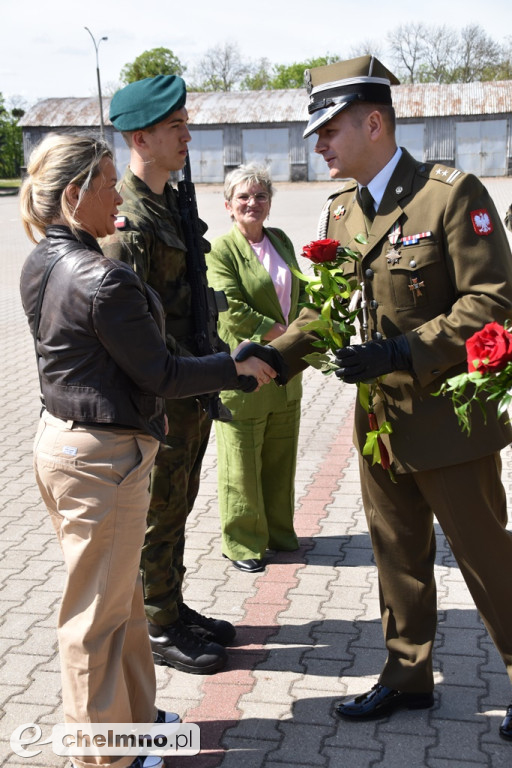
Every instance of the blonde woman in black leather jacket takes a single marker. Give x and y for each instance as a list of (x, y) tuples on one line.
[(104, 369)]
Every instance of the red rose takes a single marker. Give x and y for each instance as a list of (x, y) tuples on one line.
[(319, 251), (490, 349)]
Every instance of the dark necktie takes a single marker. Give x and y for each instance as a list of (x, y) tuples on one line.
[(367, 205)]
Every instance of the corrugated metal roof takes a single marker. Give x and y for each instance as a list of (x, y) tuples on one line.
[(433, 100), (59, 113), (287, 106), (235, 107)]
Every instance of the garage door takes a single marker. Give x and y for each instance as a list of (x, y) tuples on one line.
[(206, 152), (481, 147), (269, 146), (411, 137), (318, 170)]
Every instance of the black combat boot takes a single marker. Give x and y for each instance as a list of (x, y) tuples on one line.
[(175, 645), (211, 630)]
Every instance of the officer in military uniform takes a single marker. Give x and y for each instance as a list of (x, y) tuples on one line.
[(152, 116), (435, 269)]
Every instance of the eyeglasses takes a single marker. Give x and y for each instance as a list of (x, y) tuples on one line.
[(259, 197)]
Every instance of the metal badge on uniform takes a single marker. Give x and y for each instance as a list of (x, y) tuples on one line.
[(482, 223), (121, 222), (339, 212), (393, 256), (416, 285)]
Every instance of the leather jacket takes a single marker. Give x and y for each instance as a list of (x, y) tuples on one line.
[(101, 354)]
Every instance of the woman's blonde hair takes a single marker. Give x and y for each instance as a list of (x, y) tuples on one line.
[(58, 161)]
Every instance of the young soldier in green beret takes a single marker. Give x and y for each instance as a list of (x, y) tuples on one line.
[(436, 268), (152, 116)]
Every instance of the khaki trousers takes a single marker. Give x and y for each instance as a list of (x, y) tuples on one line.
[(469, 503), (95, 484)]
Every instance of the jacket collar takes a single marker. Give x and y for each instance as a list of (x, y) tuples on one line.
[(61, 232)]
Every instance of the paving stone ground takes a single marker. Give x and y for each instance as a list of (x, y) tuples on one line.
[(308, 627)]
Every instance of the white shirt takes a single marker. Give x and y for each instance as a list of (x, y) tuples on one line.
[(378, 184)]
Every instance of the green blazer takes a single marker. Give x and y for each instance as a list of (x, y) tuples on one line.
[(253, 308)]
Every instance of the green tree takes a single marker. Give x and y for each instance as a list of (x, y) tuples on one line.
[(11, 141), (258, 78), (157, 61), (505, 68), (292, 75)]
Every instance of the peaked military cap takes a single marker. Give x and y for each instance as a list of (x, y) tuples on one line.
[(147, 102), (334, 87)]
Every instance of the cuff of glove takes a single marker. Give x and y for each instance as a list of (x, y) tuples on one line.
[(247, 383), (270, 356)]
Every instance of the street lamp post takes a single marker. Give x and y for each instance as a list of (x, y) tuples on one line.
[(96, 46)]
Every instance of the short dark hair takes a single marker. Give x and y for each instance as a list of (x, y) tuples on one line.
[(360, 109)]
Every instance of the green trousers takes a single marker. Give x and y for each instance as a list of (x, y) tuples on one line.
[(174, 487), (257, 459)]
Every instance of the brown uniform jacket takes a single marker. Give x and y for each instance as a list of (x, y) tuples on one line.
[(450, 278)]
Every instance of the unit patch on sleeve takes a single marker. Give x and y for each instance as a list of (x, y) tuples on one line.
[(121, 222), (482, 223)]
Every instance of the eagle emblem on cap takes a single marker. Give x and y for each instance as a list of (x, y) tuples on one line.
[(307, 80)]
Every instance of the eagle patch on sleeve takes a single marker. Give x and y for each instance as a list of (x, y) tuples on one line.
[(482, 223)]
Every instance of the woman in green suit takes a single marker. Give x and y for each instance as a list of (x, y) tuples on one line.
[(257, 450)]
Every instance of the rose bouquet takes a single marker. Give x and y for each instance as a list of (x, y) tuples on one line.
[(333, 295), (489, 374), (329, 290)]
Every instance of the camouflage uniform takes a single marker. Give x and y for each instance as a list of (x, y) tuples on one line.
[(150, 239), (508, 218)]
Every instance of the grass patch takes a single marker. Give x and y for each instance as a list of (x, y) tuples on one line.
[(10, 183)]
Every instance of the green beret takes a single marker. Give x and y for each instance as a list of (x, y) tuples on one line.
[(147, 102)]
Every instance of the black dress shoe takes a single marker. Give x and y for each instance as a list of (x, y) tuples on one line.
[(381, 701), (175, 645), (167, 717), (211, 630), (506, 725), (248, 566)]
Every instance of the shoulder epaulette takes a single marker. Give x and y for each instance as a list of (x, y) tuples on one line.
[(440, 172)]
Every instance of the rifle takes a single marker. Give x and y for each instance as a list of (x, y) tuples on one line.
[(206, 303)]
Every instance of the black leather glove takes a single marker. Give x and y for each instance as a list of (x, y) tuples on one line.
[(360, 362), (247, 383), (269, 355)]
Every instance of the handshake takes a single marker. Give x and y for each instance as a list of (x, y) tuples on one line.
[(257, 365)]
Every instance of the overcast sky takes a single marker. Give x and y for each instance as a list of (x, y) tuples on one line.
[(45, 50)]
